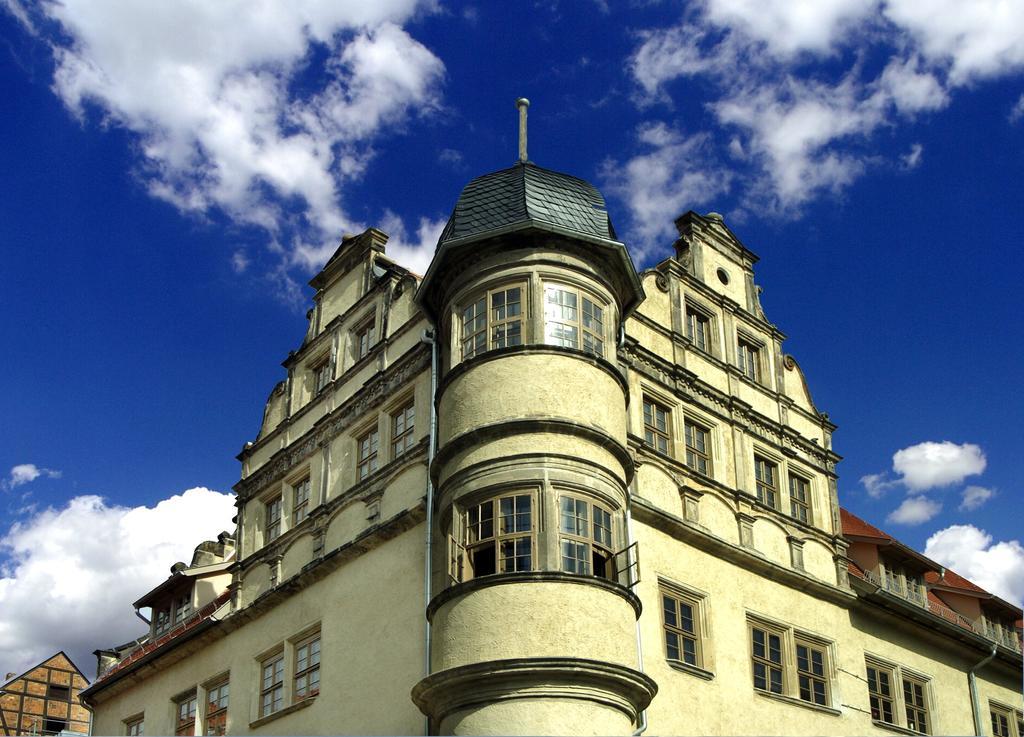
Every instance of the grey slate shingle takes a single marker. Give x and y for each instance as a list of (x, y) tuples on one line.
[(525, 192)]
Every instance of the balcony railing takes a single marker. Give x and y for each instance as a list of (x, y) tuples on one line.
[(911, 593), (916, 595)]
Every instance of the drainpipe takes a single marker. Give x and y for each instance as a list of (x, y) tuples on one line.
[(979, 725), (642, 725), (430, 338)]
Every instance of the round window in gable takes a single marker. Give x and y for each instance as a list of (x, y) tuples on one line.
[(723, 276)]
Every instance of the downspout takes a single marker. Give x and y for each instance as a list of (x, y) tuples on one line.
[(642, 725), (630, 540), (979, 725), (429, 337)]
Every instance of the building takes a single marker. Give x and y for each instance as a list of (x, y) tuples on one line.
[(44, 699), (538, 492)]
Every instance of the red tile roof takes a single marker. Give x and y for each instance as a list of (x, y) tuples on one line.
[(953, 580), (145, 649), (854, 525)]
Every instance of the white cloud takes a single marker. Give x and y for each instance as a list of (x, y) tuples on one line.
[(212, 92), (876, 484), (1017, 112), (911, 89), (914, 510), (973, 497), (930, 464), (450, 156), (73, 572), (239, 261), (912, 158), (997, 568), (675, 175), (415, 252), (979, 39), (788, 27), (16, 9), (790, 82), (24, 473)]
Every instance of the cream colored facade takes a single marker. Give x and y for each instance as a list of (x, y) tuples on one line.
[(536, 492)]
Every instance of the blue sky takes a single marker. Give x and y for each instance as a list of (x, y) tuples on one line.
[(170, 180)]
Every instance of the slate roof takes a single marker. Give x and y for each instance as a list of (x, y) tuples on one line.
[(527, 194)]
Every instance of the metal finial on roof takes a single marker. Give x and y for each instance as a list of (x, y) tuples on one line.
[(522, 103)]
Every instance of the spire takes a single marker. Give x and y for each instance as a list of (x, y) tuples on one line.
[(522, 103)]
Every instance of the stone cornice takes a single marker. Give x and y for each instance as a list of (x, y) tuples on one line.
[(610, 684), (526, 577), (874, 598), (680, 529), (686, 385), (365, 490), (736, 498), (532, 349), (374, 393), (529, 425)]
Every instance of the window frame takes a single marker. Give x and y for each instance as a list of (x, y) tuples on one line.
[(595, 549), (696, 317), (367, 453), (748, 357), (654, 436), (587, 338), (876, 694), (273, 511), (692, 450), (162, 620), (809, 674), (765, 660), (761, 486), (275, 689), (798, 504), (216, 716), (312, 642), (472, 544), (791, 685), (1011, 715), (695, 603), (364, 336), (135, 726), (321, 371), (916, 706), (302, 491), (484, 338), (899, 677), (181, 609), (403, 429), (189, 705)]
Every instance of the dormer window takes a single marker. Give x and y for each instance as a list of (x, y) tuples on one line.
[(161, 621), (182, 609)]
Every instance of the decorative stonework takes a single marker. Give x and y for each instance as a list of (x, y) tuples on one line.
[(745, 523), (373, 395), (796, 552), (691, 504)]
